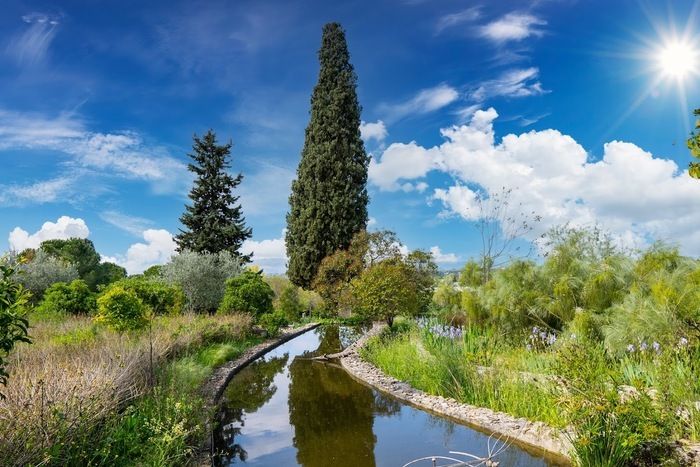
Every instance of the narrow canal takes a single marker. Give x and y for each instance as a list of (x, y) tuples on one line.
[(286, 410)]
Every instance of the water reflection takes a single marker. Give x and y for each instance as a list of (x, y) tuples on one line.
[(286, 409)]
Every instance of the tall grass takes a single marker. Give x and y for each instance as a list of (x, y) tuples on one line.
[(76, 376)]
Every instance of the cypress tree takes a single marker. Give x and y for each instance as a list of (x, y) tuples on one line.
[(328, 203), (214, 222)]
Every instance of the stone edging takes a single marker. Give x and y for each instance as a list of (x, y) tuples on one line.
[(217, 382), (535, 437)]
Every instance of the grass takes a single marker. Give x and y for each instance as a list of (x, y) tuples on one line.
[(437, 366), (79, 383), (610, 425)]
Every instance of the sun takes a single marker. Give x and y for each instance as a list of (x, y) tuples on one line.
[(677, 60)]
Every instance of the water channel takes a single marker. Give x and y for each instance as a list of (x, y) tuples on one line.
[(286, 410)]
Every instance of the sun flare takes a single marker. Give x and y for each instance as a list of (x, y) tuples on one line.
[(677, 60)]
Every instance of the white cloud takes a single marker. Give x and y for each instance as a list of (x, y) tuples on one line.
[(376, 131), (456, 19), (427, 100), (512, 83), (123, 155), (513, 27), (132, 224), (46, 191), (628, 191), (266, 192), (65, 227), (271, 255), (443, 258), (31, 47), (371, 222), (158, 248)]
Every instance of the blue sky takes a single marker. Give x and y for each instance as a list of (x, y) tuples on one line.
[(563, 102)]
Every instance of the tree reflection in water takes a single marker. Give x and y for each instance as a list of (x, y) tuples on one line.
[(331, 413), (246, 393)]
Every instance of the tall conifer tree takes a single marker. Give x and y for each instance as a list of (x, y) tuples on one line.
[(328, 203), (214, 221)]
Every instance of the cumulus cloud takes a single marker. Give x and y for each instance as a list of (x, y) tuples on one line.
[(628, 191), (425, 101), (373, 131), (271, 255), (65, 227), (158, 247), (443, 258), (513, 27)]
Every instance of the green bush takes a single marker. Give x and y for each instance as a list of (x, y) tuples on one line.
[(74, 299), (202, 277), (247, 293), (160, 297), (289, 303), (121, 310), (272, 322), (40, 270), (13, 324)]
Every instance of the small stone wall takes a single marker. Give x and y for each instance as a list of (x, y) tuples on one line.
[(535, 437)]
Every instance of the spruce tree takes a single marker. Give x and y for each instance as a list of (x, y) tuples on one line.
[(214, 221), (328, 203)]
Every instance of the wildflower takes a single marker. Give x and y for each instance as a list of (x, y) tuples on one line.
[(683, 342), (573, 336), (643, 347), (630, 348), (528, 347), (656, 346), (551, 339)]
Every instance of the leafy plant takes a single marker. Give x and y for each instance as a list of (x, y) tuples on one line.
[(43, 270), (160, 297), (289, 303), (121, 310), (74, 298), (14, 326), (202, 277), (247, 293)]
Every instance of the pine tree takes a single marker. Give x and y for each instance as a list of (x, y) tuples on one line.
[(214, 222), (328, 203)]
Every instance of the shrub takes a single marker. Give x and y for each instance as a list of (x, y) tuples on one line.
[(74, 298), (42, 271), (247, 293), (154, 272), (290, 304), (386, 290), (121, 310), (202, 277), (160, 297), (272, 322), (13, 324)]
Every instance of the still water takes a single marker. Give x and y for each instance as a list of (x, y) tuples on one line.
[(286, 410)]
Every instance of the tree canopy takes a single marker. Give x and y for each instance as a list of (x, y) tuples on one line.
[(214, 221), (328, 203)]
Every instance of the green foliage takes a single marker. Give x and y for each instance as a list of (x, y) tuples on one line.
[(247, 293), (694, 146), (386, 290), (38, 273), (471, 275), (272, 322), (14, 326), (202, 277), (328, 203), (153, 272), (333, 278), (161, 298), (81, 252), (213, 222), (74, 298), (121, 310), (290, 304)]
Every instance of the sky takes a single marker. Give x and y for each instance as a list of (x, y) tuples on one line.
[(580, 109)]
